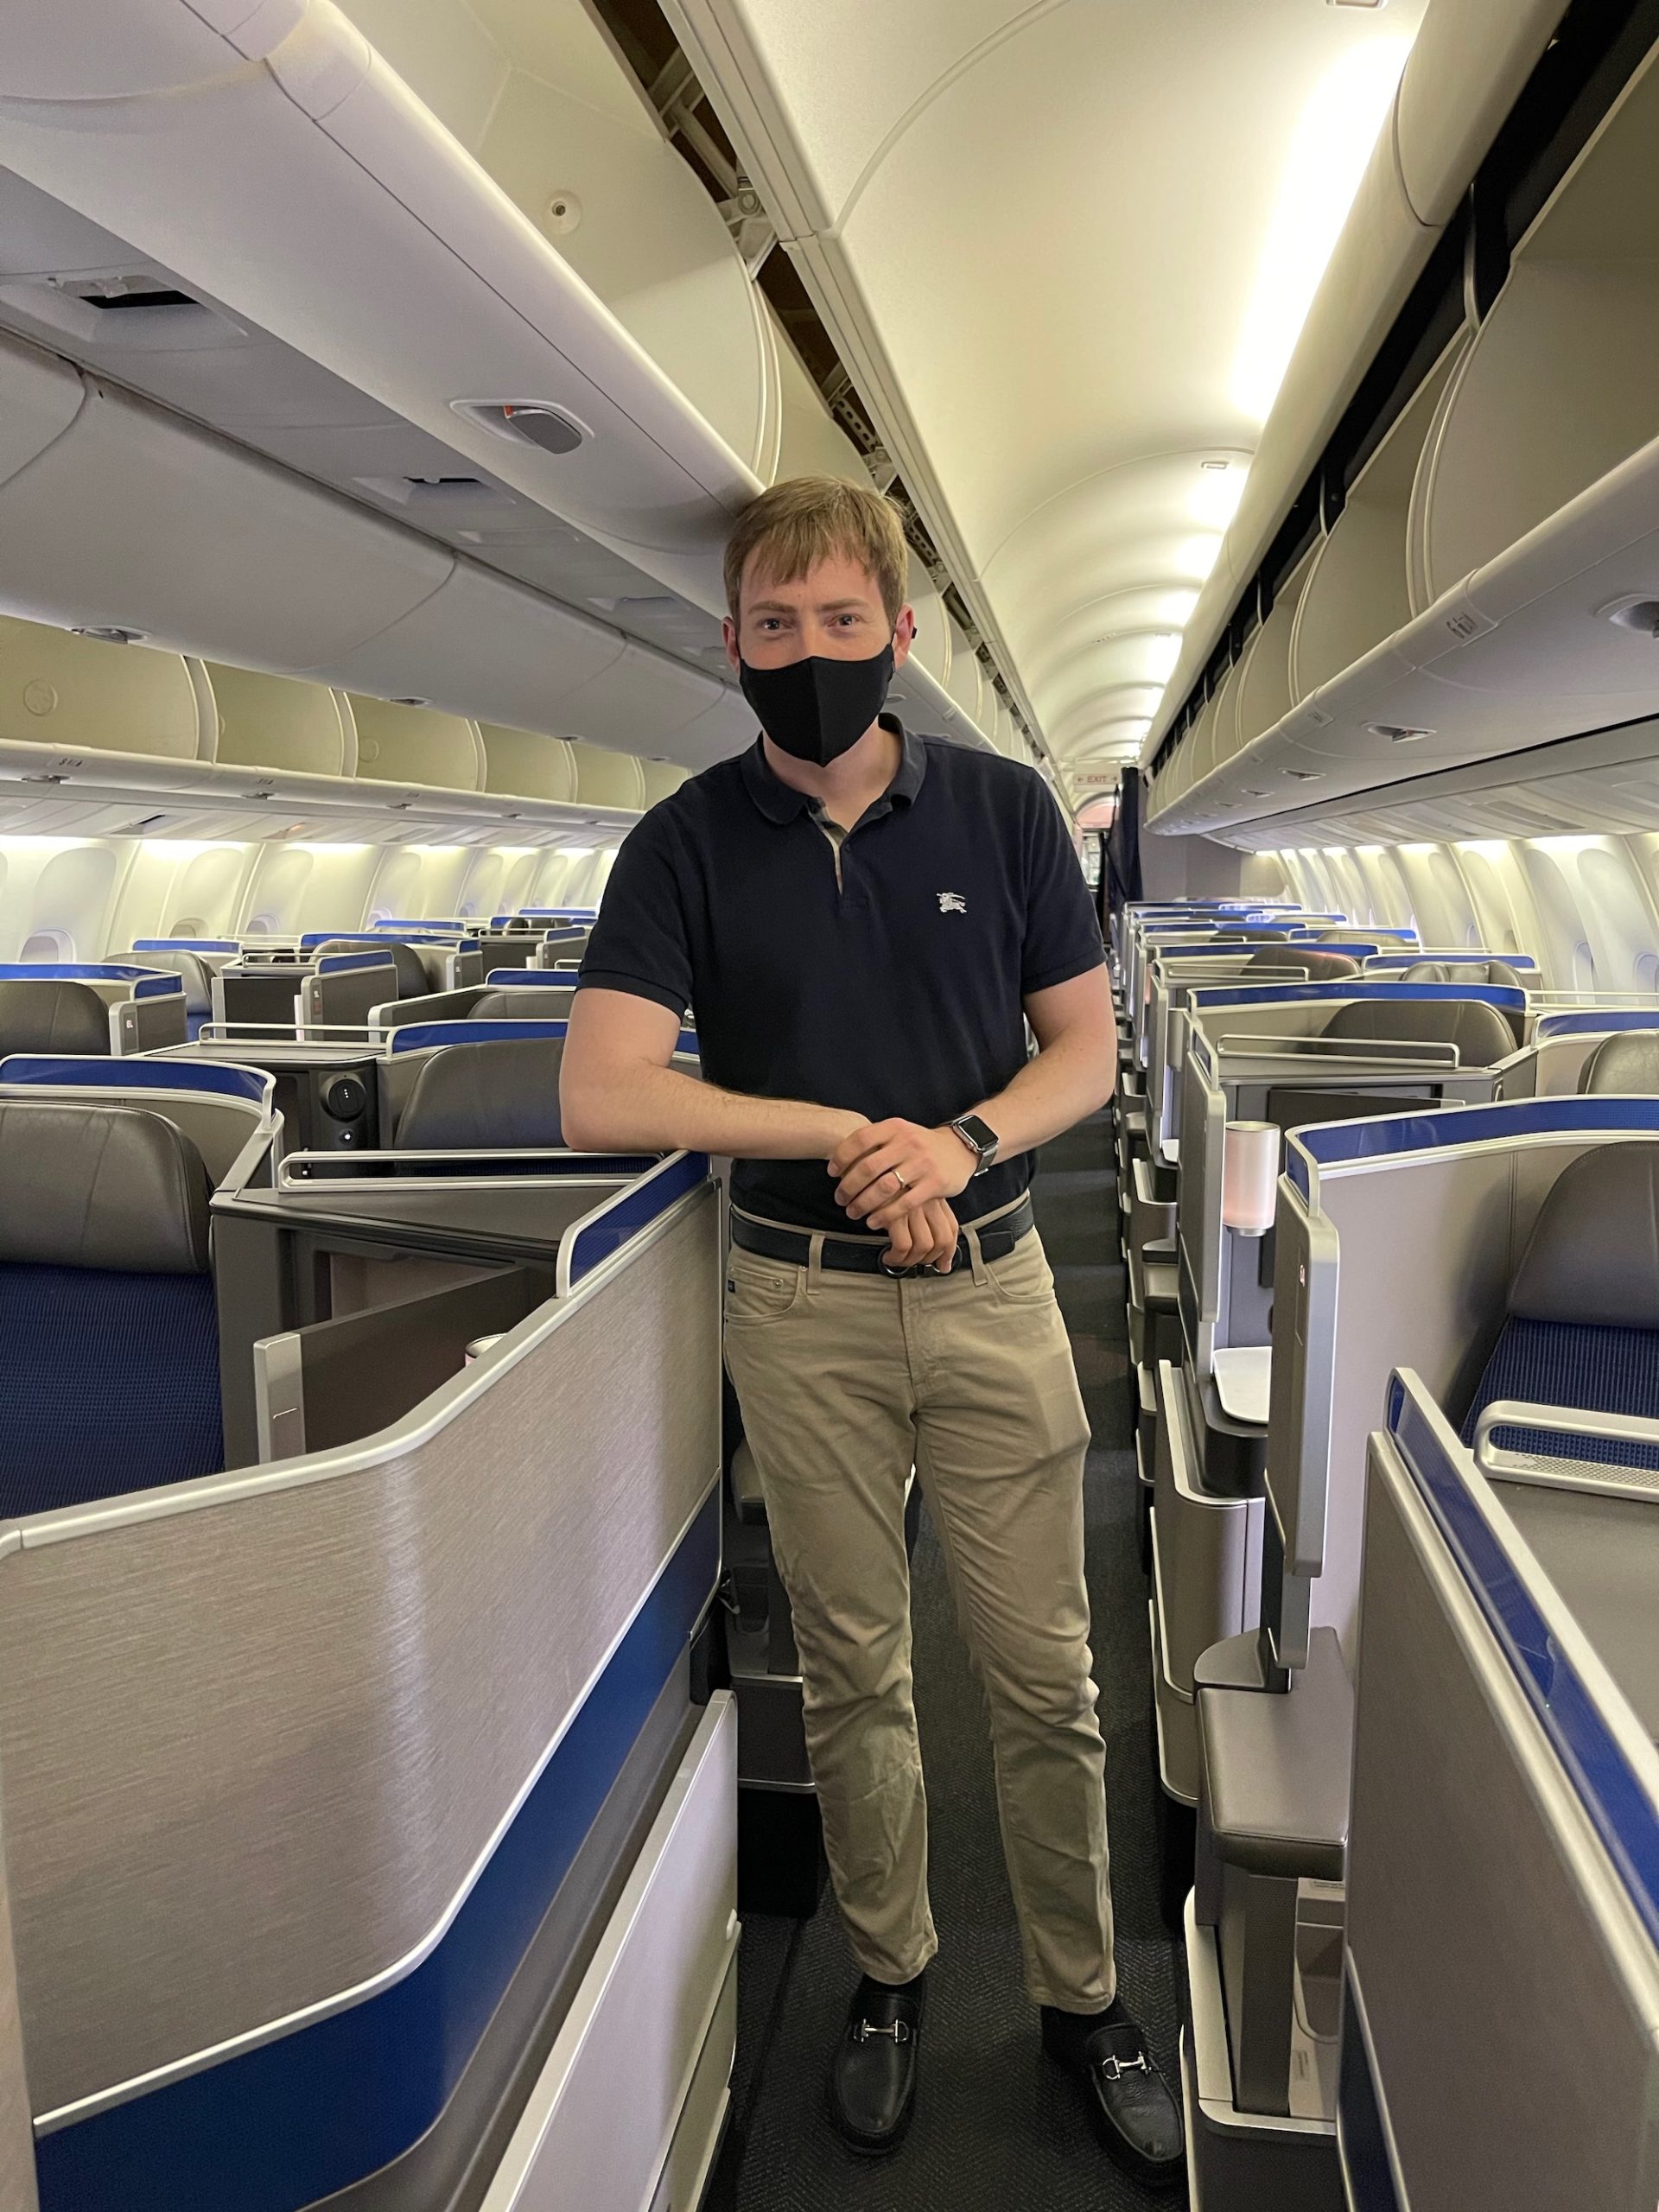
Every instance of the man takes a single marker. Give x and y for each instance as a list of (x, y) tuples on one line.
[(863, 922)]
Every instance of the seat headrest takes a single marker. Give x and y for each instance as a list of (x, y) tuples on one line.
[(524, 1002), (100, 1186), (413, 982), (1479, 1032), (1628, 1060), (198, 977), (1593, 1254), (503, 1091), (1463, 971), (53, 1014), (1313, 961)]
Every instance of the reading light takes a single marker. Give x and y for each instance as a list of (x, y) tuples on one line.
[(1249, 1177)]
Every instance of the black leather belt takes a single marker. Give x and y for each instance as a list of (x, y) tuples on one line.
[(794, 1246)]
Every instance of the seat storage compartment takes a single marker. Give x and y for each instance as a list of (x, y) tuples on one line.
[(628, 2102)]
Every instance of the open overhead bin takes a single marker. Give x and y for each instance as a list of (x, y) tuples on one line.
[(1531, 513)]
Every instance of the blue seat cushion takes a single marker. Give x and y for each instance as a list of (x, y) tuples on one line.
[(1590, 1366), (109, 1382)]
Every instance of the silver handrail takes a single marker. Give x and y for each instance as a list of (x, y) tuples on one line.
[(1339, 1051), (1596, 1476)]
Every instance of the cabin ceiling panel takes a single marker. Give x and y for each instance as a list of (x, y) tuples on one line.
[(1042, 237)]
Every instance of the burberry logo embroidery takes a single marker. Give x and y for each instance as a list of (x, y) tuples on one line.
[(951, 902)]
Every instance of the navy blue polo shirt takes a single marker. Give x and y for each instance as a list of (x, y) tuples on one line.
[(894, 985)]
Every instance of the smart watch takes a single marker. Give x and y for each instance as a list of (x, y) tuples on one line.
[(981, 1139)]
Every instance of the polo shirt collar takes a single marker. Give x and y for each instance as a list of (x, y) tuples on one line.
[(781, 802)]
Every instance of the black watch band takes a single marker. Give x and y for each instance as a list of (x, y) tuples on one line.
[(981, 1139)]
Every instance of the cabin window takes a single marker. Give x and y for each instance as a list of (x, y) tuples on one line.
[(187, 925), (378, 914), (263, 925), (49, 945), (1584, 966), (1647, 972)]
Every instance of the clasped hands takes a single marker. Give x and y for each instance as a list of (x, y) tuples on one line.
[(900, 1176)]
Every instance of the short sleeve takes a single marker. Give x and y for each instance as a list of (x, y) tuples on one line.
[(1062, 935), (640, 943)]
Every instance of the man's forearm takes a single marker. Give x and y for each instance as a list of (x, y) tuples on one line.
[(659, 1110), (1052, 1093)]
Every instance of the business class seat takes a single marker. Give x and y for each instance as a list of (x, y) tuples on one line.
[(109, 1336), (53, 1014), (1465, 971), (1314, 962), (1627, 1061), (502, 1093), (1582, 1325), (197, 978), (1479, 1032), (413, 982), (523, 1002)]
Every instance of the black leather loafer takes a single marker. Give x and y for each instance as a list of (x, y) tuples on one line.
[(1133, 2114), (873, 2079)]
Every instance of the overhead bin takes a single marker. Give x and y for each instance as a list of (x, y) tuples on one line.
[(171, 555), (273, 721), (1358, 590), (415, 744), (83, 692), (442, 294), (1558, 387), (518, 760), (481, 643), (1465, 68), (1530, 515), (1265, 691)]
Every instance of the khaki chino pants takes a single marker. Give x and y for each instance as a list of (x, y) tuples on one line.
[(845, 1380)]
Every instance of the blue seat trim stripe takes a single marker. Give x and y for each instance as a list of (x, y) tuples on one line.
[(1504, 996), (1331, 1144), (422, 1036), (515, 978), (279, 2128), (91, 971), (186, 944), (1362, 2137), (1622, 1815), (633, 1208), (338, 963), (1588, 1023), (137, 1074)]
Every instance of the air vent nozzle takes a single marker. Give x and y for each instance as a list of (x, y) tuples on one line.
[(527, 422)]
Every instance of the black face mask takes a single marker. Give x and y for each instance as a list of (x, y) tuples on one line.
[(816, 708)]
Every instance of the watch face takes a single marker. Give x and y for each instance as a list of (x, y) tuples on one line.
[(980, 1133)]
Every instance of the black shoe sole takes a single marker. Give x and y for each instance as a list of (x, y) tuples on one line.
[(1156, 2173)]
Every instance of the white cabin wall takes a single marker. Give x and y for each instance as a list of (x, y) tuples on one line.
[(1586, 907)]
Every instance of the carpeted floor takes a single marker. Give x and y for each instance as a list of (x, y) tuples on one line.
[(997, 2128)]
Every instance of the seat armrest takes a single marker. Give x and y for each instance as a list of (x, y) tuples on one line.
[(1275, 1767)]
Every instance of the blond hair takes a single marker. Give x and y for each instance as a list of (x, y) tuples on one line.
[(806, 519)]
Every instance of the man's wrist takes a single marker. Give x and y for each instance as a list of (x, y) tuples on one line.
[(840, 1123)]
